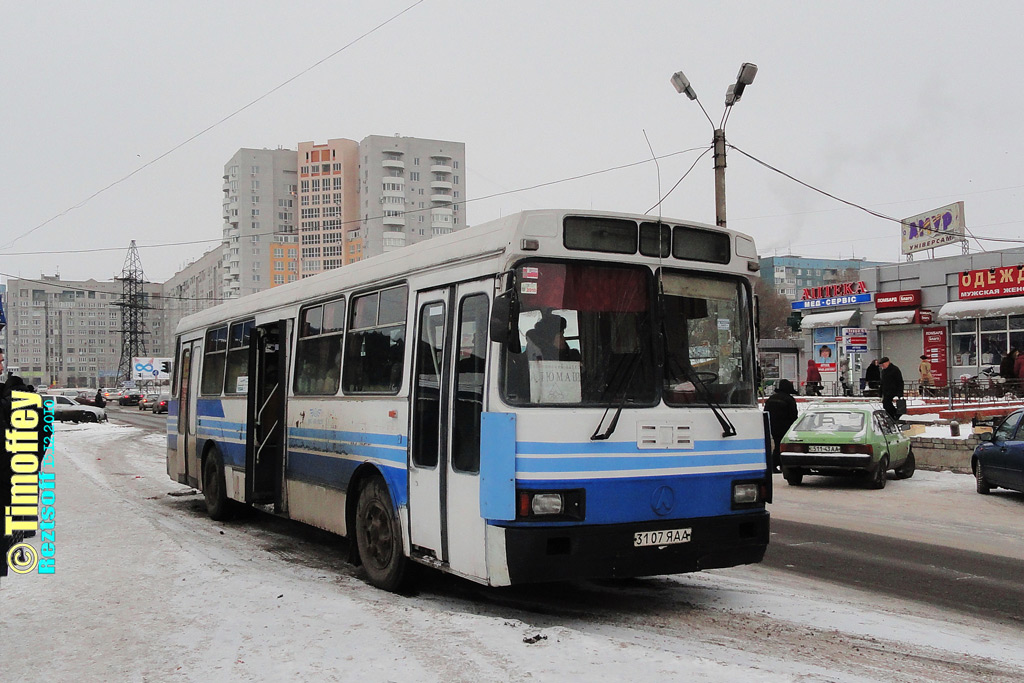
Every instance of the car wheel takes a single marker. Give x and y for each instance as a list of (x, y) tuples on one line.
[(792, 477), (906, 470), (880, 475), (218, 505), (979, 478), (379, 537)]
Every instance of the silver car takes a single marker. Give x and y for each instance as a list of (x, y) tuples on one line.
[(67, 409)]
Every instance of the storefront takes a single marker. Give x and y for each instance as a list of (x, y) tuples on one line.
[(963, 312), (828, 311)]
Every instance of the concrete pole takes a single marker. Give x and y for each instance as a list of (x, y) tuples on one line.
[(719, 143)]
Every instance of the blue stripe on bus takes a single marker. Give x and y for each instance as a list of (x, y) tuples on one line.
[(386, 447), (395, 440), (609, 463), (210, 406), (620, 447), (336, 472)]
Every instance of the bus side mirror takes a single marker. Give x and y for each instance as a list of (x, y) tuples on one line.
[(504, 324)]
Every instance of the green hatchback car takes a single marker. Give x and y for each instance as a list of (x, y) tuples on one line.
[(838, 438)]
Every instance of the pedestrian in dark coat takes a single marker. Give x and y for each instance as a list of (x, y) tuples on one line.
[(100, 402), (873, 376), (1006, 365), (892, 386), (782, 413)]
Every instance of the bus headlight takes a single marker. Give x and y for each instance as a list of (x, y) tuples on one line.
[(551, 505), (746, 493), (546, 504)]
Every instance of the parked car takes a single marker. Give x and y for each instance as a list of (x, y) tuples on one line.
[(66, 409), (86, 397), (842, 438), (147, 401), (160, 406), (998, 461), (129, 398)]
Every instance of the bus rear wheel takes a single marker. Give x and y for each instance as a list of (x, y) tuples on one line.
[(379, 537), (218, 505)]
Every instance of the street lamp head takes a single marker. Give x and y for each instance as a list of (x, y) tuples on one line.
[(746, 74), (731, 96), (744, 78), (682, 85)]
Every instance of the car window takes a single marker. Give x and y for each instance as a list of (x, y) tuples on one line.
[(1005, 430), (885, 423), (830, 421), (63, 400)]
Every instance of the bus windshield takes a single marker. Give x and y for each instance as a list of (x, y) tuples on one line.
[(708, 354), (585, 333)]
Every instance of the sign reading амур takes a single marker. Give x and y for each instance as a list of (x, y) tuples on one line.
[(933, 229), (839, 294), (990, 283)]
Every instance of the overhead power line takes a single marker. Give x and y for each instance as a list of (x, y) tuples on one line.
[(214, 125), (361, 220)]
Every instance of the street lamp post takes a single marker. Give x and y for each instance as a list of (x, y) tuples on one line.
[(732, 95)]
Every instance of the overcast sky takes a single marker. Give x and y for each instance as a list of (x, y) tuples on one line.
[(900, 107)]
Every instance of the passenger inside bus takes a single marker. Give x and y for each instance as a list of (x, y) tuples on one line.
[(546, 341)]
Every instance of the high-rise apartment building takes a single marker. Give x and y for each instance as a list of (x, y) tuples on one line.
[(790, 275), (260, 187), (328, 201), (194, 288), (68, 333), (410, 190)]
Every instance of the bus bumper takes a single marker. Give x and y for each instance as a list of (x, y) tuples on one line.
[(537, 554)]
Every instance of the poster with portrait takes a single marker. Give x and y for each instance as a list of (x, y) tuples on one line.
[(824, 350)]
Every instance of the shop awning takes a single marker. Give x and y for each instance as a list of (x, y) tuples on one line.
[(982, 308), (894, 317), (830, 319)]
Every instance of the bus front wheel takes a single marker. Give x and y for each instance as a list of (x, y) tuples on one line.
[(379, 537)]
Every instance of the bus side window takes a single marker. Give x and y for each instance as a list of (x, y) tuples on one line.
[(318, 352), (238, 358), (471, 338), (375, 349), (214, 356)]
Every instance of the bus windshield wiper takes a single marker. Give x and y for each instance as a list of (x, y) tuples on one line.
[(728, 429), (619, 382)]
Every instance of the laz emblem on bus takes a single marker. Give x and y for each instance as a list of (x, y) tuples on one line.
[(664, 537)]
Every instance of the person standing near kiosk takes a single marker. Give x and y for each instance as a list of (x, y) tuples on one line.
[(892, 386)]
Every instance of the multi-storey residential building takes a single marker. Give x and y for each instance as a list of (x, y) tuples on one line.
[(260, 189), (192, 289), (328, 208), (410, 190), (790, 275), (68, 333)]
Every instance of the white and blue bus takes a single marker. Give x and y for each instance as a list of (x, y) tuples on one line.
[(548, 396)]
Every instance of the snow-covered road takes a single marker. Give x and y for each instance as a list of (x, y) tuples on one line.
[(149, 589)]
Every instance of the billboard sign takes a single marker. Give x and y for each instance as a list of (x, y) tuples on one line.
[(908, 298), (989, 283), (151, 368), (935, 352), (832, 301), (855, 340), (944, 225)]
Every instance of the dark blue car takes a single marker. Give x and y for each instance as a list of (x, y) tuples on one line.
[(998, 461)]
